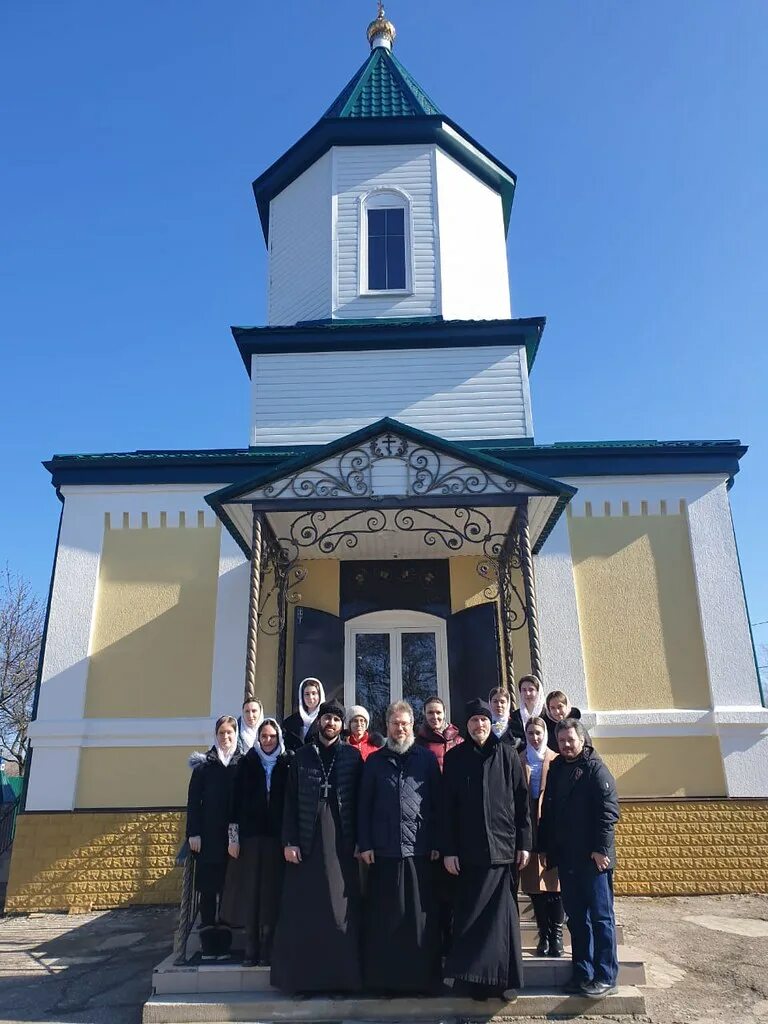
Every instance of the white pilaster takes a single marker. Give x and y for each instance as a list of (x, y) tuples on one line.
[(723, 611), (231, 630), (561, 649), (53, 774)]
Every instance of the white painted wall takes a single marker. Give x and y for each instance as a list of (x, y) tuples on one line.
[(358, 171), (474, 280), (300, 248), (458, 393), (60, 730)]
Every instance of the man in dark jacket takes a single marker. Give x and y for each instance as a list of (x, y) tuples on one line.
[(576, 833), (316, 945), (486, 837), (397, 830)]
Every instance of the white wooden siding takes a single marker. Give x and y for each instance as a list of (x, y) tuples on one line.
[(300, 248), (460, 393), (358, 170), (474, 277)]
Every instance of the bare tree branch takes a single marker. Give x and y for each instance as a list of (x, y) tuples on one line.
[(21, 631)]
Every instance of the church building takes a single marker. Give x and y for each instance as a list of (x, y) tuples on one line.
[(393, 528)]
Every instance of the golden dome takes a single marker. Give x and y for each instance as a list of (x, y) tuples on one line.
[(381, 32)]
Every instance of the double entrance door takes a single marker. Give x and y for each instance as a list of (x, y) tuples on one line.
[(394, 655)]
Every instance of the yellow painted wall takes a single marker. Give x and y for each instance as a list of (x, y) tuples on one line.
[(638, 612), (152, 642), (658, 766), (133, 777), (92, 861), (468, 589)]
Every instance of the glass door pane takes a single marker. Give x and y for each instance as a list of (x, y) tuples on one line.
[(373, 676), (419, 669)]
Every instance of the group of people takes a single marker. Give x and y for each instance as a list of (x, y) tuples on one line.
[(357, 861)]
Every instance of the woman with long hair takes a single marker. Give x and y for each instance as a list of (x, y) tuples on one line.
[(208, 799)]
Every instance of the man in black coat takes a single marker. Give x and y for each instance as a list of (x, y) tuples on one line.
[(397, 825), (576, 832), (316, 945), (486, 838)]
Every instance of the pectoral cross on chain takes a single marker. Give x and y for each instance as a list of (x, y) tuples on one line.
[(326, 788)]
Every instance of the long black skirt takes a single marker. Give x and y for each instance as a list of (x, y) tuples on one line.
[(486, 949), (402, 935), (251, 896), (316, 945)]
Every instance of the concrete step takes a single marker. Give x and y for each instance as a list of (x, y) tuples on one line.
[(268, 1007), (231, 977)]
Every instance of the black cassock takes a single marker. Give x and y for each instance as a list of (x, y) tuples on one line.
[(486, 822), (316, 944), (402, 937)]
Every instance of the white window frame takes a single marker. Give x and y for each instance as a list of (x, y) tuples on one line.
[(384, 199), (396, 623)]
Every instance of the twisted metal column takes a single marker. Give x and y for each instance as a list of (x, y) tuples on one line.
[(283, 574), (253, 607), (529, 584), (505, 607)]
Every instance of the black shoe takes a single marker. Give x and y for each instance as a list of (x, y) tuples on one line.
[(543, 946), (556, 947), (575, 987), (599, 989)]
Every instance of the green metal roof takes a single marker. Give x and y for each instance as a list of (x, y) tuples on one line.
[(382, 88)]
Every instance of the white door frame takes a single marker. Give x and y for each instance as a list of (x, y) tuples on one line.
[(396, 623)]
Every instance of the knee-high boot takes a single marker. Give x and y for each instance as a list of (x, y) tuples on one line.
[(539, 904), (556, 917)]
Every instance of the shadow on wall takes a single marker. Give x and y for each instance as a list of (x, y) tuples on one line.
[(664, 766)]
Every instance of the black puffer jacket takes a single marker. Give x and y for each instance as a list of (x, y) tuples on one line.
[(208, 803), (486, 818), (302, 795), (254, 811), (399, 803), (580, 811)]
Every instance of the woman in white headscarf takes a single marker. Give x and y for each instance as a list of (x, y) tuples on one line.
[(248, 724), (531, 706), (210, 790), (255, 842), (300, 727)]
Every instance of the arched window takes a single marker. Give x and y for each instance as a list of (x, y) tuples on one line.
[(385, 233)]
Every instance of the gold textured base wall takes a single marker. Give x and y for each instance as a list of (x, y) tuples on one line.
[(95, 861), (692, 847), (100, 860)]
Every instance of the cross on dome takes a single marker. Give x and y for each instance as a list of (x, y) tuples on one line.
[(381, 32)]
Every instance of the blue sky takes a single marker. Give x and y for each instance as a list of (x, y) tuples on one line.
[(129, 240)]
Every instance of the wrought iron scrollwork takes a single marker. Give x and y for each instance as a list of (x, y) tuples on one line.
[(427, 473), (278, 590)]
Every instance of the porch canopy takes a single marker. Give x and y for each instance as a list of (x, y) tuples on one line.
[(390, 491)]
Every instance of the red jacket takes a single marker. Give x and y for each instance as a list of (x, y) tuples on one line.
[(364, 745), (438, 742)]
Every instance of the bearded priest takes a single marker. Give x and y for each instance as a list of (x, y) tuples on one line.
[(486, 836), (317, 939)]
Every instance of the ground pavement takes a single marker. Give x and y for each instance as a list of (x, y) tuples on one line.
[(706, 959)]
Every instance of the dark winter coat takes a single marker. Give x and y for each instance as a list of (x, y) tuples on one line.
[(580, 811), (439, 742), (486, 819), (256, 812), (552, 730), (302, 795), (208, 803), (399, 803), (292, 729)]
